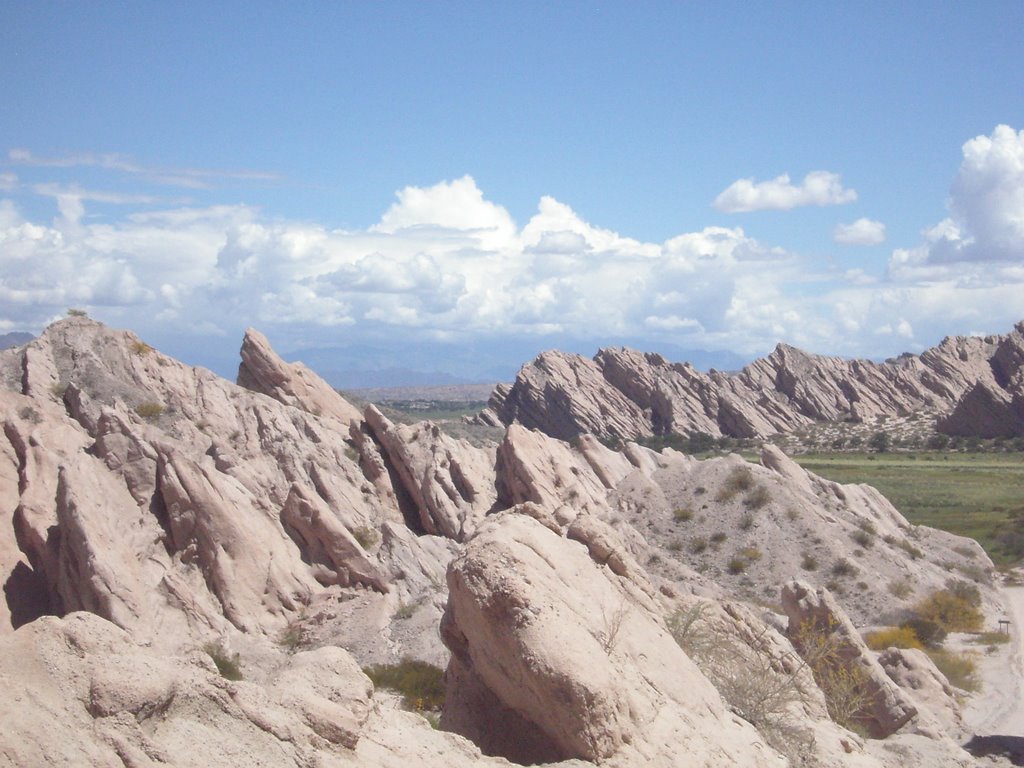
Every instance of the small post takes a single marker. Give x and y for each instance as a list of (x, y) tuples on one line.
[(1004, 626)]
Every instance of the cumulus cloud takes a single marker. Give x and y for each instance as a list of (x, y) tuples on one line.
[(861, 232), (443, 261), (987, 200), (780, 194)]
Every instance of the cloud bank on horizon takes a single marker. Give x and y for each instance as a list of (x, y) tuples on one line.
[(445, 263)]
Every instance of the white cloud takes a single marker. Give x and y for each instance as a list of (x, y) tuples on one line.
[(780, 194), (446, 262), (8, 182), (193, 178), (986, 222), (861, 232)]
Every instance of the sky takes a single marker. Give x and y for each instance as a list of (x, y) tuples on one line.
[(454, 187)]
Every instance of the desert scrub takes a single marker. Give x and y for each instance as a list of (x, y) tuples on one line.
[(139, 347), (406, 610), (736, 565), (746, 521), (959, 668), (809, 562), (29, 414), (862, 538), (759, 680), (74, 312), (229, 665), (843, 568), (900, 588), (674, 546), (682, 514), (698, 544), (951, 612), (757, 498), (150, 410), (893, 637), (366, 536), (293, 636), (421, 684), (718, 537), (739, 480)]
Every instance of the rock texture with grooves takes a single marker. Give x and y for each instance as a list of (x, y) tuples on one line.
[(622, 393)]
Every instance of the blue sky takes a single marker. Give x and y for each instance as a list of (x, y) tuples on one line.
[(456, 186)]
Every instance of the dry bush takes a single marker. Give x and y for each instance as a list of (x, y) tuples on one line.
[(950, 611), (150, 410), (739, 480), (893, 637), (759, 681)]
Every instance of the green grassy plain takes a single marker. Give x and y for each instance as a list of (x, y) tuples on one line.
[(980, 495)]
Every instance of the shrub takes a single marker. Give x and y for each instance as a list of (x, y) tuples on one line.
[(421, 684), (950, 611), (366, 536), (809, 562), (698, 544), (893, 637), (406, 610), (746, 522), (674, 546), (718, 537), (736, 565), (29, 414), (900, 588), (965, 590), (928, 632), (757, 498), (843, 567), (73, 312), (739, 480), (682, 514), (862, 538), (959, 668), (228, 665), (150, 410), (141, 348), (751, 554)]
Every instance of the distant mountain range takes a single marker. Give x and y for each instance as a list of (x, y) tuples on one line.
[(14, 339)]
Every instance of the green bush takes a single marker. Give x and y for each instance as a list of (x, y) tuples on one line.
[(421, 684), (698, 544), (682, 514)]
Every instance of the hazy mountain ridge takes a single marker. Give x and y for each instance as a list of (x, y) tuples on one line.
[(149, 510), (977, 383)]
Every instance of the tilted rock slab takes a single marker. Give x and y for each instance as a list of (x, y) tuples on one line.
[(552, 658), (815, 614)]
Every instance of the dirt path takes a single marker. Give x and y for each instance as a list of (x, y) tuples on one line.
[(998, 710)]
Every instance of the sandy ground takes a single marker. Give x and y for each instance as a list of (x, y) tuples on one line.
[(998, 709)]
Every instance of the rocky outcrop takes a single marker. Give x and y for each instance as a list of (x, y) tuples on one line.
[(261, 370), (828, 641), (540, 673), (183, 512), (624, 394)]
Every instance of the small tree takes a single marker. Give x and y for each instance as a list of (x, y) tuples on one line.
[(879, 442)]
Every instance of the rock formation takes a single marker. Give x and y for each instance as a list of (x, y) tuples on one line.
[(158, 523), (625, 394)]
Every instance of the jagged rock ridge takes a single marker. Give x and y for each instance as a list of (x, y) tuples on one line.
[(625, 394), (149, 510)]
